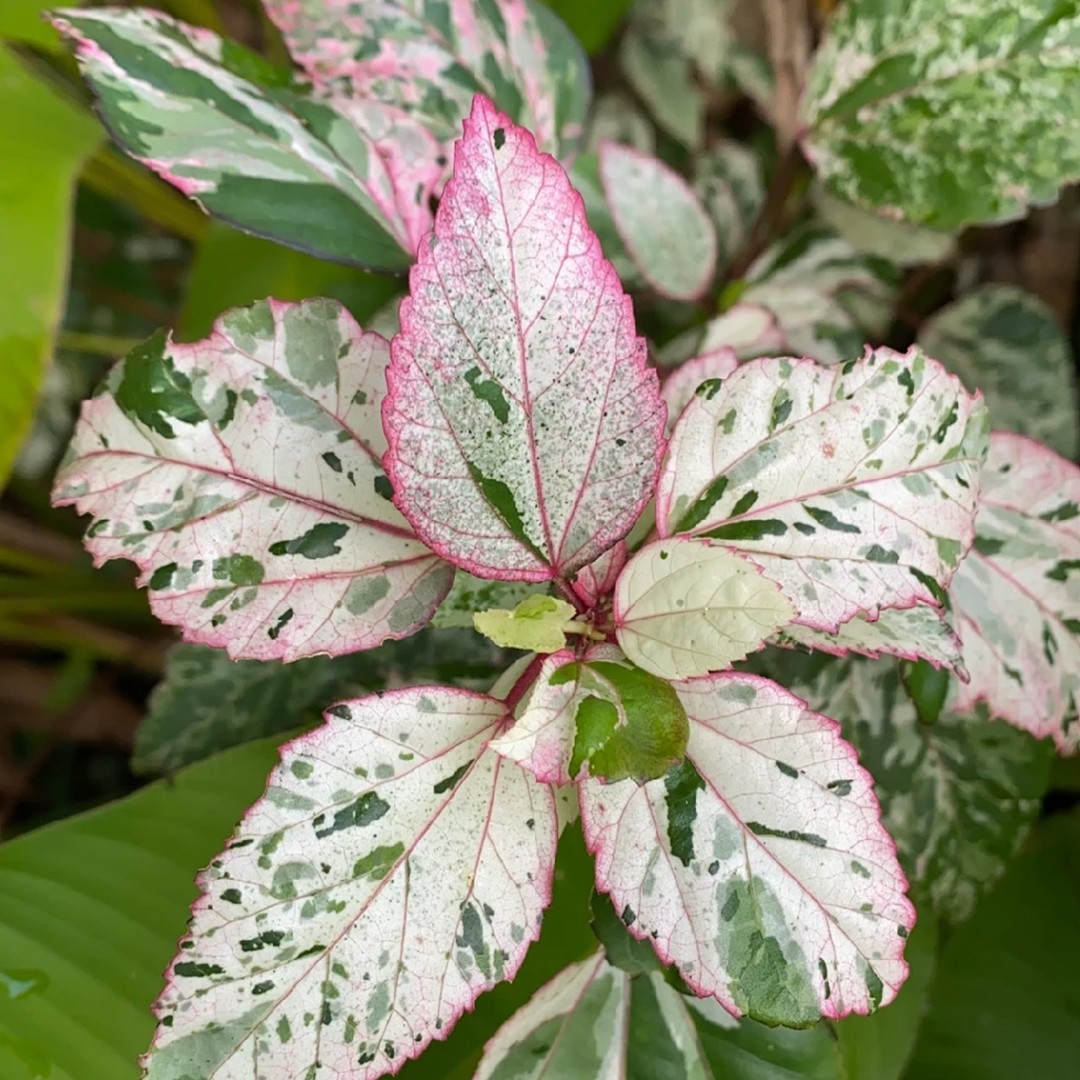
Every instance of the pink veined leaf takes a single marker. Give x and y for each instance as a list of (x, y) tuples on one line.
[(853, 487), (598, 578), (525, 426), (242, 474), (760, 867), (1017, 594), (678, 388), (430, 60), (394, 870), (666, 230)]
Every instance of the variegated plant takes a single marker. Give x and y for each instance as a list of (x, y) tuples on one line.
[(294, 486)]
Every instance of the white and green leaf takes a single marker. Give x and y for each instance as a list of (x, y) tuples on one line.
[(393, 871), (242, 474), (852, 487), (759, 867)]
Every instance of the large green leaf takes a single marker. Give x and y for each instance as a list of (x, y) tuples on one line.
[(90, 910), (948, 112), (43, 142), (1006, 343), (1005, 1004)]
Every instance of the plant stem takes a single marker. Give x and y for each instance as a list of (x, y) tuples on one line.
[(525, 680)]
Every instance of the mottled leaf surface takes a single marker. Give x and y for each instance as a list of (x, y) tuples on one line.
[(728, 179), (392, 872), (759, 867), (1017, 594), (431, 58), (242, 474), (665, 228), (351, 189), (1008, 344), (525, 427), (948, 113), (684, 607), (958, 796), (596, 715), (852, 487), (679, 387)]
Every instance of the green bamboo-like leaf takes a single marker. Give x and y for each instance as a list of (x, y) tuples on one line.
[(43, 142), (946, 112)]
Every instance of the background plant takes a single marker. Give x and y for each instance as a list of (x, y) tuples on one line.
[(789, 269)]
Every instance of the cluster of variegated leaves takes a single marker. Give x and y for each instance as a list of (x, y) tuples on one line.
[(401, 858)]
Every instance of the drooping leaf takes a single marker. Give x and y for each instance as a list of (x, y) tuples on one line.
[(758, 867), (596, 715), (90, 912), (972, 118), (665, 229), (1004, 1001), (430, 59), (394, 870), (242, 475), (43, 142), (539, 623), (679, 387), (684, 607), (207, 702), (853, 487), (1017, 594), (525, 427), (352, 189), (957, 795), (1008, 344)]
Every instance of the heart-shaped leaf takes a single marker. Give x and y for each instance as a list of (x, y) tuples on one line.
[(242, 474), (1017, 594), (853, 487), (525, 426), (596, 715), (759, 867), (351, 189), (685, 607), (665, 229), (362, 905), (430, 60)]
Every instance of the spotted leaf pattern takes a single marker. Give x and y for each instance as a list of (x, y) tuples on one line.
[(1017, 595), (759, 867), (429, 57), (853, 487), (350, 186), (947, 113), (525, 426), (242, 474), (393, 871)]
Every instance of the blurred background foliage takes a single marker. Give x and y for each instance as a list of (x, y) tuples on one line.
[(99, 704)]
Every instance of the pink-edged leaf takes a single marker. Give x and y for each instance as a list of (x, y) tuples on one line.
[(525, 426), (394, 870), (853, 487), (242, 475), (759, 867), (597, 580), (684, 607), (914, 633), (666, 230), (430, 59), (1017, 594), (352, 189), (749, 330), (679, 387)]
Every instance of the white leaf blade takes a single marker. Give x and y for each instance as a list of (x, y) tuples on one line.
[(525, 424), (366, 902), (823, 477), (709, 856), (685, 607), (1017, 594), (242, 475)]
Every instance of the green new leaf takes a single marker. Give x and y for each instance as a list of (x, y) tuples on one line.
[(278, 165), (538, 624), (1009, 345), (43, 142), (948, 113)]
